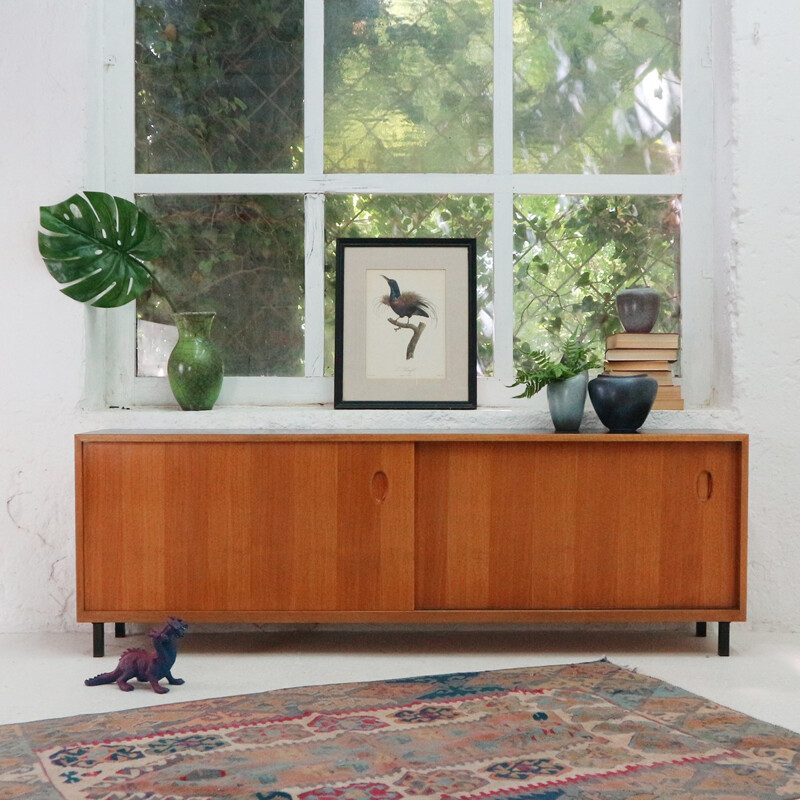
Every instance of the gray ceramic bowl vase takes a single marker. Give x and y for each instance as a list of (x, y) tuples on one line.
[(566, 400)]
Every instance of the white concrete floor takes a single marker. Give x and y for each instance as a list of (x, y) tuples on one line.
[(41, 675)]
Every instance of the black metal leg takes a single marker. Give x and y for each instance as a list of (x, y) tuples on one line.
[(724, 639), (119, 630), (98, 640), (701, 629)]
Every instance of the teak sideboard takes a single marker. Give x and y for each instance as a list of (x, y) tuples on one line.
[(411, 527)]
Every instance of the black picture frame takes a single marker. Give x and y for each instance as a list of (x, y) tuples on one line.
[(421, 351)]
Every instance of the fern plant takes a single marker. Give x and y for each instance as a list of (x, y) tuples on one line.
[(540, 369)]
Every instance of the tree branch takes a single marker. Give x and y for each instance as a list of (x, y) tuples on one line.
[(414, 339)]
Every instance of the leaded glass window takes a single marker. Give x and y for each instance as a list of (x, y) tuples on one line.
[(553, 131)]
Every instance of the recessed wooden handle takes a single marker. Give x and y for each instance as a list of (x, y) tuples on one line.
[(380, 486), (705, 485)]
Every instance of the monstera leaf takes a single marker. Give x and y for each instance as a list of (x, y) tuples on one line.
[(97, 244)]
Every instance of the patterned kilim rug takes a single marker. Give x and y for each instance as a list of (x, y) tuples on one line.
[(586, 731)]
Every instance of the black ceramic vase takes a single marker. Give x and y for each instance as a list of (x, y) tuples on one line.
[(623, 401)]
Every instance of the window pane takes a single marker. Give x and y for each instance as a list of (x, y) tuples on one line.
[(573, 254), (410, 216), (408, 86), (242, 257), (597, 87), (219, 86)]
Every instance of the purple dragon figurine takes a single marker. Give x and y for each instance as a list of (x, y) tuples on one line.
[(145, 666)]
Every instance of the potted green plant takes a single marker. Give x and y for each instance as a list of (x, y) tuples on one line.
[(98, 246), (565, 375)]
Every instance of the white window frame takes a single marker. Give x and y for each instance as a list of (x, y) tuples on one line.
[(111, 334)]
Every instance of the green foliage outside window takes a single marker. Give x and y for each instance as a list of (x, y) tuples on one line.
[(219, 85), (242, 257), (573, 254), (597, 87), (409, 88)]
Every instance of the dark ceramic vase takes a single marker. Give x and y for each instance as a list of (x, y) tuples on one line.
[(623, 401), (638, 309)]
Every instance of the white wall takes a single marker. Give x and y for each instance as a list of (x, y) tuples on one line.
[(43, 114), (765, 295), (44, 119)]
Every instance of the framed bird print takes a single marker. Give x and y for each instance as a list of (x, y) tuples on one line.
[(405, 323)]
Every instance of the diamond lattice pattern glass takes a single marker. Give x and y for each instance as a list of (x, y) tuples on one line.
[(573, 254), (408, 86), (219, 86), (241, 256), (597, 86)]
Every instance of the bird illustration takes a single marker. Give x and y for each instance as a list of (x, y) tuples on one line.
[(407, 304)]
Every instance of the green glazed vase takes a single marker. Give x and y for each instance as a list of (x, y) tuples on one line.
[(195, 364)]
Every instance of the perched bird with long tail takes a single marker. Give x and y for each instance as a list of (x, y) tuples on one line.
[(407, 304)]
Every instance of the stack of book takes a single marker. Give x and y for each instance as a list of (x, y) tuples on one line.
[(649, 353)]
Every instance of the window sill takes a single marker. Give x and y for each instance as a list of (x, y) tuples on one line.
[(324, 418)]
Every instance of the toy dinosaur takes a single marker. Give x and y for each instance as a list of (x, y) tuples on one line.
[(146, 666)]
